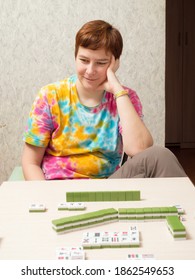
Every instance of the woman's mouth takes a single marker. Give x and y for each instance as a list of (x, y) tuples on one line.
[(90, 79)]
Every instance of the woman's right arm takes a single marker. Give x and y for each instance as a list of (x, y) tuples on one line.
[(31, 162)]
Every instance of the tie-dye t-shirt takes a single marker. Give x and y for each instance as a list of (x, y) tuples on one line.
[(80, 141)]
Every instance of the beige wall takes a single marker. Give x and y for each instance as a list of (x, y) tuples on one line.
[(37, 48)]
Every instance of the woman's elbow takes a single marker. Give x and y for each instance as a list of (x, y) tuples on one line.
[(132, 150)]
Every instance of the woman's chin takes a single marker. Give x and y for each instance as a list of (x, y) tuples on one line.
[(90, 86)]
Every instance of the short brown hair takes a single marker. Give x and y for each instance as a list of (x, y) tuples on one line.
[(98, 34)]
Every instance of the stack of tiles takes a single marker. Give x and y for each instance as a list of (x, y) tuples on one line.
[(103, 196), (176, 227), (124, 239), (85, 220), (71, 206), (35, 207), (147, 213), (179, 209), (70, 253)]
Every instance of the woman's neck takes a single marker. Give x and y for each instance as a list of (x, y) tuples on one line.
[(89, 98)]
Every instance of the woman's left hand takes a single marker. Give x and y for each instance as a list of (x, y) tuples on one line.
[(112, 84)]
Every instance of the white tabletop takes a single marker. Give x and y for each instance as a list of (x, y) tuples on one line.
[(30, 236)]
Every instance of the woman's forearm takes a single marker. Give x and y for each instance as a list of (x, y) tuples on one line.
[(136, 136), (33, 172), (31, 162)]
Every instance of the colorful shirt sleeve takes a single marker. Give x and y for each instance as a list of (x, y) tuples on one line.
[(40, 126)]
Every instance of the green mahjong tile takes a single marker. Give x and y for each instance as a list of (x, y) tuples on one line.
[(94, 223), (148, 213), (85, 196), (179, 236), (134, 246), (105, 246), (164, 211), (116, 246), (175, 223), (88, 247), (121, 196), (91, 196), (77, 226), (106, 196), (114, 196), (37, 211), (156, 212), (128, 195), (87, 217), (93, 247), (131, 211), (69, 197), (173, 209), (122, 211), (98, 196), (147, 210), (135, 195), (111, 211), (61, 221), (123, 246), (106, 219), (63, 229), (139, 213), (101, 213), (77, 196)]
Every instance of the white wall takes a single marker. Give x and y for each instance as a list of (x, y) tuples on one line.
[(37, 48)]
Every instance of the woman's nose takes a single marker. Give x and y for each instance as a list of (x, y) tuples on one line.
[(90, 69)]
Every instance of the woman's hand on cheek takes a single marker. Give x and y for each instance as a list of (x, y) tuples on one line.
[(114, 65), (111, 82)]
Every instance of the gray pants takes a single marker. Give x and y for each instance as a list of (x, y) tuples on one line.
[(152, 162)]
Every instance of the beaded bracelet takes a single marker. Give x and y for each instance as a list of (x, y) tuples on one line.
[(121, 93)]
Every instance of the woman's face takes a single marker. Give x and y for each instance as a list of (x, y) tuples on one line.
[(91, 67)]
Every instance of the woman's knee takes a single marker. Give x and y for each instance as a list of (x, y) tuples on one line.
[(165, 163), (155, 161), (159, 152)]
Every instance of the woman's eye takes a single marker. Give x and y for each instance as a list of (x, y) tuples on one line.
[(101, 63), (84, 60)]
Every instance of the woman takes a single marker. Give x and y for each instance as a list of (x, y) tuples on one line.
[(79, 127)]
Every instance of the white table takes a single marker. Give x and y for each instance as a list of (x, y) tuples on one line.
[(29, 236)]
